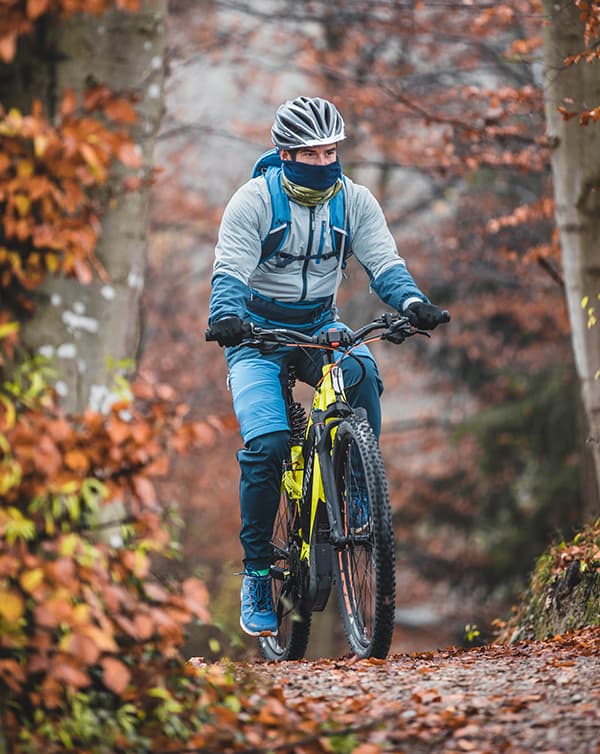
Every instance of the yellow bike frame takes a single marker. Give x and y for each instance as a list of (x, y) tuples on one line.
[(328, 391)]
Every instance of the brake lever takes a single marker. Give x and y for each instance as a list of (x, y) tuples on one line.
[(260, 340), (394, 337), (400, 331)]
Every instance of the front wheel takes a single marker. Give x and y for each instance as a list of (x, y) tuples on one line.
[(365, 564), (288, 578)]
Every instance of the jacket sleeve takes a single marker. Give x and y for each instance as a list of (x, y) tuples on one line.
[(375, 248), (237, 252), (228, 297), (396, 287)]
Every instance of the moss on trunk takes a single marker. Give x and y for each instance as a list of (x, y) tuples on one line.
[(564, 592)]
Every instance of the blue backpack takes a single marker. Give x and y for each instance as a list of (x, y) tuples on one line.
[(268, 164)]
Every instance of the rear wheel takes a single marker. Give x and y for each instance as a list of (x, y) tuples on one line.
[(288, 588), (365, 565)]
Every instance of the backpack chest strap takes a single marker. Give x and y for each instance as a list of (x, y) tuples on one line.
[(281, 219)]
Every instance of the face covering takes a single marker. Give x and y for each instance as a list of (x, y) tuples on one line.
[(318, 177)]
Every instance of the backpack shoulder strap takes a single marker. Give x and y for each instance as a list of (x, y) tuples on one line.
[(281, 214), (338, 221)]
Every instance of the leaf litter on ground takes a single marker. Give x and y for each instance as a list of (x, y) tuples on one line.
[(533, 697)]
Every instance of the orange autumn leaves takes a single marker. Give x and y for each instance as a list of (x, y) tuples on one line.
[(86, 629), (48, 175), (76, 612), (56, 455), (18, 17)]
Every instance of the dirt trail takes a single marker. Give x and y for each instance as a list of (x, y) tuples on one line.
[(530, 698)]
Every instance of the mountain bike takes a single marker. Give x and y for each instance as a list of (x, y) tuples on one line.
[(333, 525)]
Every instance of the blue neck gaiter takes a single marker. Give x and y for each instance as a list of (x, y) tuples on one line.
[(319, 177)]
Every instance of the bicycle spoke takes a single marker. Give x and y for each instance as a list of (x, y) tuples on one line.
[(294, 627), (362, 567)]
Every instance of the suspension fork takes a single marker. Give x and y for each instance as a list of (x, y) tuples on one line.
[(320, 540), (329, 409), (321, 550), (324, 445), (328, 412)]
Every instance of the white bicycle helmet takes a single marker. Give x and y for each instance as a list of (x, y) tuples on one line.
[(307, 122)]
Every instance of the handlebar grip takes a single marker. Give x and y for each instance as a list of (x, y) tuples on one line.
[(246, 332), (445, 317)]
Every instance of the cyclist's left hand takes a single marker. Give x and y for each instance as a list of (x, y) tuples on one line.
[(228, 331), (425, 316)]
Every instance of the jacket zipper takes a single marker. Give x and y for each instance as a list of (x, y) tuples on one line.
[(311, 233), (321, 243)]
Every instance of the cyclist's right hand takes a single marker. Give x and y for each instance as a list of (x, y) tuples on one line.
[(228, 331), (426, 316)]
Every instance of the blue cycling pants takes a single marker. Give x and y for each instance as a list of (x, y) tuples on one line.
[(256, 381)]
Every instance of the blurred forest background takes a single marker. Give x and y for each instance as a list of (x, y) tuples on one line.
[(444, 111), (125, 125), (156, 115)]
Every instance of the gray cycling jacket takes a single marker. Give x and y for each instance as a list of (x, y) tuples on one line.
[(305, 268)]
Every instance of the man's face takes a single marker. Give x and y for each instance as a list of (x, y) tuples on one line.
[(323, 155)]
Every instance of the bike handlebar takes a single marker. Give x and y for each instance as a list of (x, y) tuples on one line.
[(395, 327)]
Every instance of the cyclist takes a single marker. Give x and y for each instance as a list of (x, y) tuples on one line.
[(295, 287)]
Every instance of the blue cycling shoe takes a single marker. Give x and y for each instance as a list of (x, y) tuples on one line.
[(258, 615)]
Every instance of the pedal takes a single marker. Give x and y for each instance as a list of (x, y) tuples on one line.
[(279, 573)]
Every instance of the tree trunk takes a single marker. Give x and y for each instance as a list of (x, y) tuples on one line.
[(93, 331), (576, 171)]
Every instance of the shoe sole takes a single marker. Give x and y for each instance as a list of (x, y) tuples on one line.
[(256, 633)]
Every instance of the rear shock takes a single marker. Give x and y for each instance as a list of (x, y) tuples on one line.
[(293, 467), (296, 412)]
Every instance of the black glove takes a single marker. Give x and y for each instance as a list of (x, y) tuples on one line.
[(228, 331), (425, 316)]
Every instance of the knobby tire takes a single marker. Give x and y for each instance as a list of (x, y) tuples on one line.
[(365, 566)]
